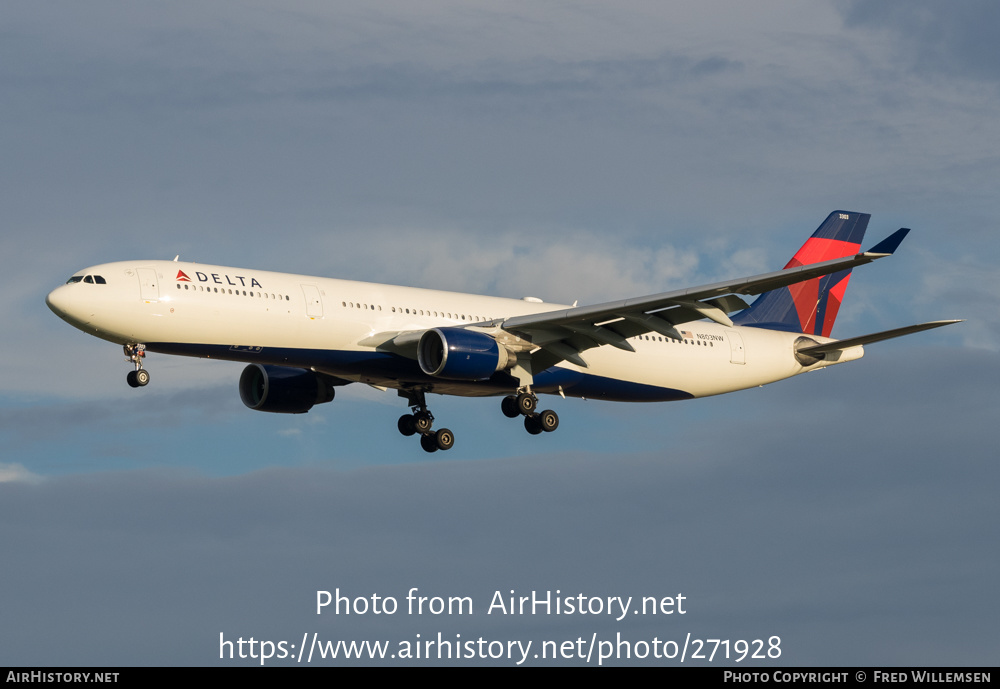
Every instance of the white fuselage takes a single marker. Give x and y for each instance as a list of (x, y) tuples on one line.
[(321, 323)]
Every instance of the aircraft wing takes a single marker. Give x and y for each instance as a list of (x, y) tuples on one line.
[(564, 334)]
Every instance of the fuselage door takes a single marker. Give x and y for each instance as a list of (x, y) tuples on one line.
[(314, 303), (148, 285), (737, 353)]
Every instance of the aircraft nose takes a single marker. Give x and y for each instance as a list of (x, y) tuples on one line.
[(65, 303), (58, 300)]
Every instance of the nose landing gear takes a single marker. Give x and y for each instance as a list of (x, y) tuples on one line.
[(135, 353)]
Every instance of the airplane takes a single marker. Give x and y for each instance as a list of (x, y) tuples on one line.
[(302, 337)]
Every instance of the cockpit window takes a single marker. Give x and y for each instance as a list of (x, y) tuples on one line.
[(89, 279)]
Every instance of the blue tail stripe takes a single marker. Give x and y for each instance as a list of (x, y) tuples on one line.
[(845, 226)]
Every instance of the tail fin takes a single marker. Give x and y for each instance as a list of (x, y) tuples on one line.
[(811, 307)]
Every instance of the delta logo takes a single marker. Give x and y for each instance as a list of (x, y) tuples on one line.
[(218, 279)]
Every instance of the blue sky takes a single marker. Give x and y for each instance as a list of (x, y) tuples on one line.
[(576, 151)]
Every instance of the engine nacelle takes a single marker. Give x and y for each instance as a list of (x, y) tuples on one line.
[(459, 354), (283, 390)]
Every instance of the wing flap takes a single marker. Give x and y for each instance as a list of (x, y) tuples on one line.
[(602, 335)]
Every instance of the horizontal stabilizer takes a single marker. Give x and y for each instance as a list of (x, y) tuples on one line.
[(840, 345)]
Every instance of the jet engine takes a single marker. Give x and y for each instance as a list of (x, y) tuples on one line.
[(283, 390), (459, 354)]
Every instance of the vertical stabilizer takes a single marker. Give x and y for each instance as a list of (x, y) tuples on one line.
[(811, 307)]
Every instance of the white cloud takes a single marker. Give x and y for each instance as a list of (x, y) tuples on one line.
[(969, 288), (556, 265), (12, 472)]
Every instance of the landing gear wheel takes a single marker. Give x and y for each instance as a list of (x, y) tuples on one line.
[(532, 424), (526, 403), (422, 422), (548, 421), (509, 407), (445, 439), (406, 425), (134, 354)]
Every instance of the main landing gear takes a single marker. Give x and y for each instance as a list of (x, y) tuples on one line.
[(420, 421), (513, 406), (524, 404), (134, 354)]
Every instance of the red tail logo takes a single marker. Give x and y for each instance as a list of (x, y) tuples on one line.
[(181, 277)]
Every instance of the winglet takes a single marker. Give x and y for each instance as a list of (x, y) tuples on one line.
[(888, 246)]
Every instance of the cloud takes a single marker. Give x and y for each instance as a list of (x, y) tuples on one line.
[(550, 263), (10, 472), (934, 39), (970, 287)]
